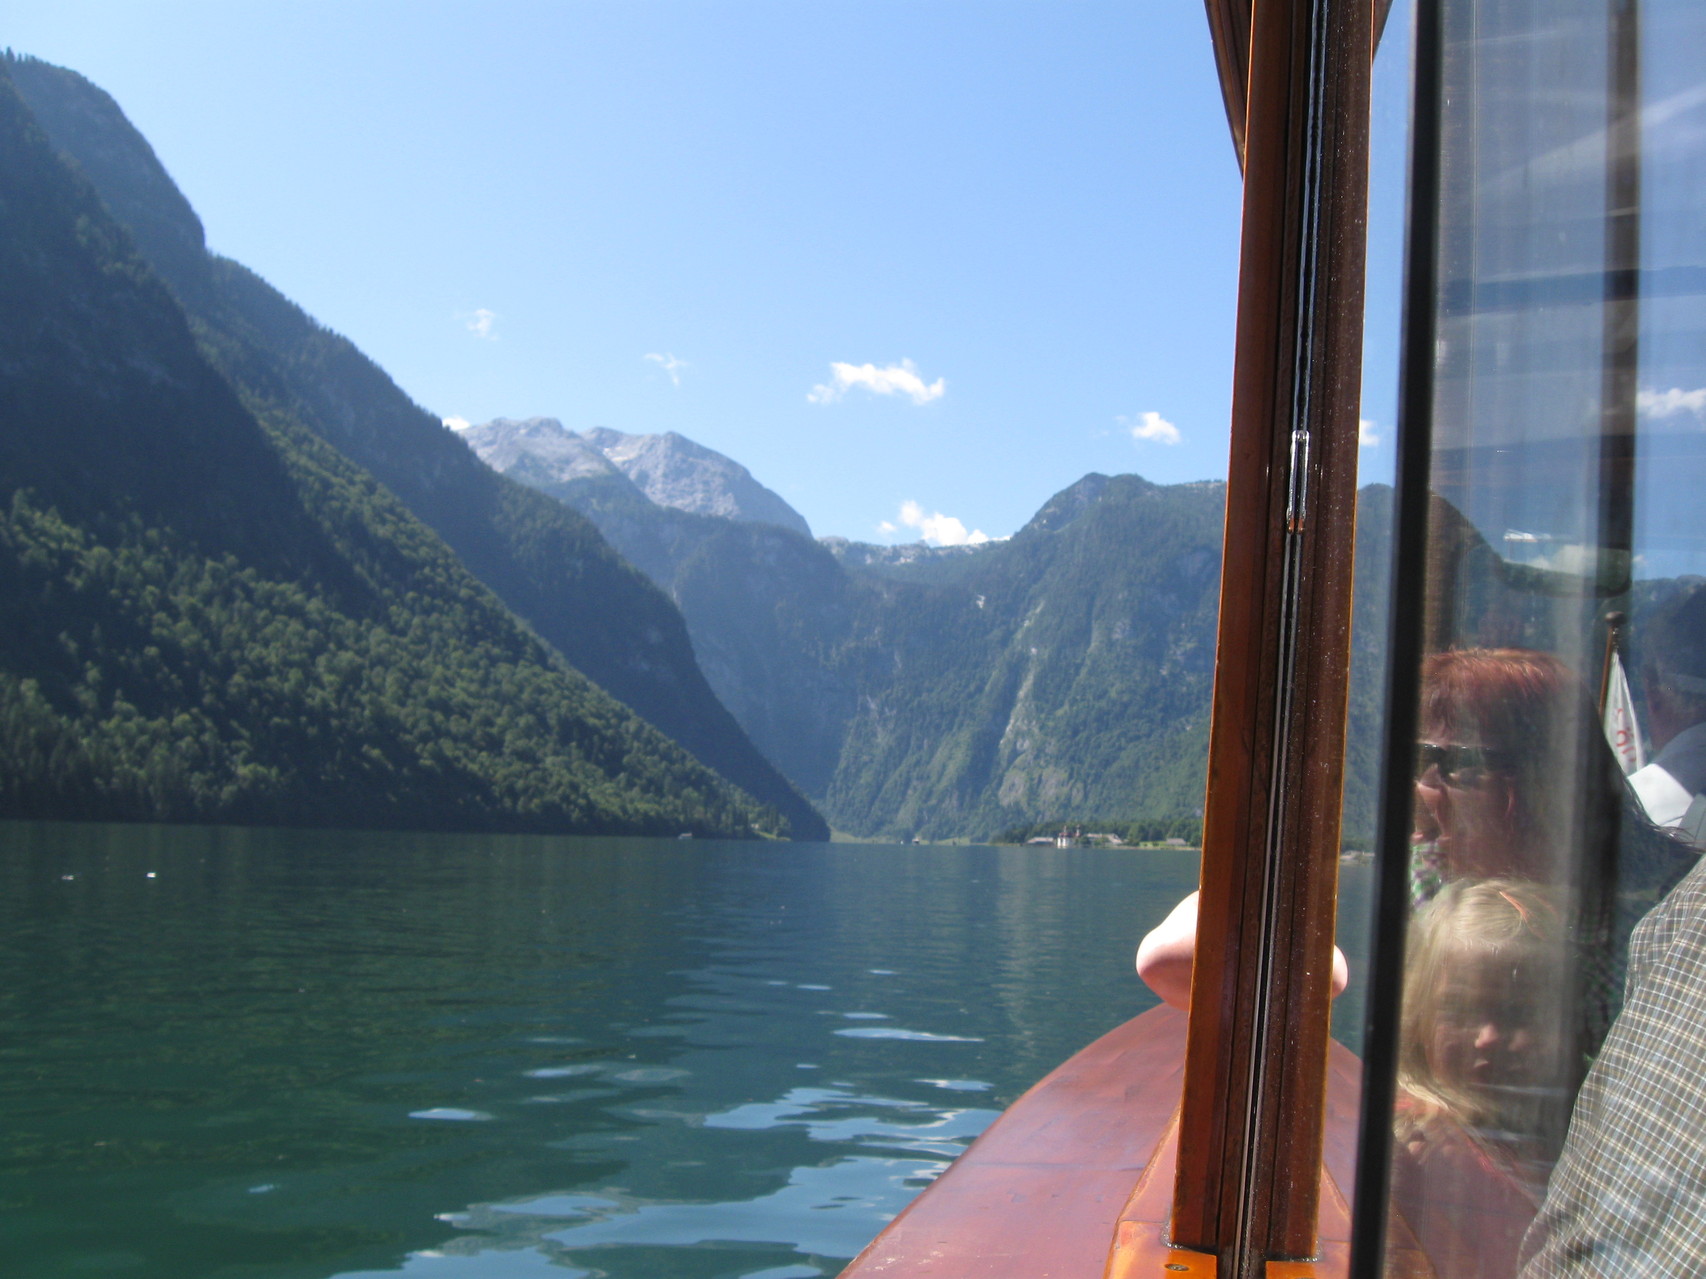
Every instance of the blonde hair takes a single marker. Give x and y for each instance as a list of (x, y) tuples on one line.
[(1518, 925)]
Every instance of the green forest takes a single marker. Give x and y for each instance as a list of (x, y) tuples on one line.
[(542, 560), (1057, 677), (210, 614), (247, 579)]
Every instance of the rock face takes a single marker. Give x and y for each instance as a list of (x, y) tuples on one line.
[(668, 469), (540, 452), (944, 691), (674, 471)]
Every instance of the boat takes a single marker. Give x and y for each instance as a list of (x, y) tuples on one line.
[(1550, 355)]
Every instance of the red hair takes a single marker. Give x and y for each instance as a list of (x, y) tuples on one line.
[(1529, 705), (1514, 699)]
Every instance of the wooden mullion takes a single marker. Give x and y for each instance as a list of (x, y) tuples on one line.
[(1251, 1123), (1229, 28)]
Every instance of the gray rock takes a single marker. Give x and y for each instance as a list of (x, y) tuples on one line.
[(540, 451), (674, 471), (669, 469)]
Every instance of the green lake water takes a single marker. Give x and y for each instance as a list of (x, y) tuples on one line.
[(271, 1054)]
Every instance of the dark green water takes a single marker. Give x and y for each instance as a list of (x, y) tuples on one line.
[(270, 1054)]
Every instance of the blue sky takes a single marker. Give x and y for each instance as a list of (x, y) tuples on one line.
[(904, 261)]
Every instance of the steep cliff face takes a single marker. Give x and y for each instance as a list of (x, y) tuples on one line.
[(673, 471), (668, 470), (958, 691), (543, 560), (207, 613), (1064, 672)]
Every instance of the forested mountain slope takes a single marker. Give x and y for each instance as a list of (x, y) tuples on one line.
[(542, 559), (778, 625), (1064, 673), (207, 613), (1083, 654)]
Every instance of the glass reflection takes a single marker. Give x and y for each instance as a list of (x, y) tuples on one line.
[(1554, 992), (1485, 1069), (1672, 789)]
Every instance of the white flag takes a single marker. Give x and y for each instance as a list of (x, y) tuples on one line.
[(1620, 729)]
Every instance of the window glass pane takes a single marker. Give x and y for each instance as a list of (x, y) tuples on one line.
[(1389, 127), (1554, 989)]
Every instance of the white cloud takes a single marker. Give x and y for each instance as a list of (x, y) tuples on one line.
[(1366, 436), (937, 529), (1667, 403), (480, 324), (1150, 425), (669, 364), (458, 423), (892, 379)]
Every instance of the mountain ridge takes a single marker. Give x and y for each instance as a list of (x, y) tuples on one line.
[(909, 690), (549, 565), (953, 691), (667, 469), (209, 614)]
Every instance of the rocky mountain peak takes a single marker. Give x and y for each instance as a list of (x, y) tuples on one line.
[(674, 471), (1068, 504), (670, 469), (538, 451)]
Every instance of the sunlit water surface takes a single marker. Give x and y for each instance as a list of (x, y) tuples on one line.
[(269, 1054)]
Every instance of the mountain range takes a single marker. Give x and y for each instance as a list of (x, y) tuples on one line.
[(542, 559), (209, 613), (394, 622), (668, 470), (918, 691)]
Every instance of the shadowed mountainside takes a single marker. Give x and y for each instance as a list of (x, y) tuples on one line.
[(209, 614), (964, 690), (542, 559)]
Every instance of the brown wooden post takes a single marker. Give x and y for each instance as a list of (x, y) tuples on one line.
[(1229, 26), (1251, 1124)]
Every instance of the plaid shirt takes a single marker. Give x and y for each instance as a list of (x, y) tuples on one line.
[(1628, 1196)]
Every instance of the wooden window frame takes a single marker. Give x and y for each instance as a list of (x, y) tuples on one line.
[(1251, 1119)]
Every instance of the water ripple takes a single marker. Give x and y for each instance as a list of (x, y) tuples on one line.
[(895, 1032)]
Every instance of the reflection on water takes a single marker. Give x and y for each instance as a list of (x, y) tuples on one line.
[(284, 1054)]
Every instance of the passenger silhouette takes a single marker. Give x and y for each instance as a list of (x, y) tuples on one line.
[(1628, 1196), (1671, 651), (1486, 1071)]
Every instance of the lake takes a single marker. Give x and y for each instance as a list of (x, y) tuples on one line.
[(273, 1054)]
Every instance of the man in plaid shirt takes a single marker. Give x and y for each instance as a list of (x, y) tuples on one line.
[(1628, 1196)]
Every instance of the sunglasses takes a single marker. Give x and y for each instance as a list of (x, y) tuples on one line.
[(1461, 765)]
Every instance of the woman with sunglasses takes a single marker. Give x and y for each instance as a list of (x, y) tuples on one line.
[(1505, 736), (1514, 778), (1491, 721)]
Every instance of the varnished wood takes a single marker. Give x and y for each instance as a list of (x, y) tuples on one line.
[(1229, 30), (1074, 1181), (1141, 1245), (1247, 1188), (1038, 1194)]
